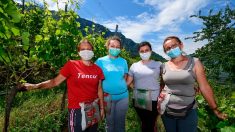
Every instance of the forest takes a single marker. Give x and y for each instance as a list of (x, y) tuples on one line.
[(36, 42)]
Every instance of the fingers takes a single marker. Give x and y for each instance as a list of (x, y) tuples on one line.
[(28, 86), (102, 114), (221, 115)]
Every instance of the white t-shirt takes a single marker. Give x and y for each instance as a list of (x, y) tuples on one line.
[(146, 76)]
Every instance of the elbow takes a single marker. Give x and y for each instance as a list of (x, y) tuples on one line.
[(54, 83)]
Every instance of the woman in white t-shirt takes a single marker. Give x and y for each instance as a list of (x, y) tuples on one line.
[(145, 76)]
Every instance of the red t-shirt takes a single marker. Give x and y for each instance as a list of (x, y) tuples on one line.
[(82, 82)]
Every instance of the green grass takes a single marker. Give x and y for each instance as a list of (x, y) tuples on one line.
[(36, 111), (40, 111)]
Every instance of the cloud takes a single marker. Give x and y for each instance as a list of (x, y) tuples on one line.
[(168, 14), (51, 4), (18, 1), (167, 18)]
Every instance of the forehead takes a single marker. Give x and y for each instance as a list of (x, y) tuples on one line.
[(144, 47), (114, 42), (171, 42), (85, 45)]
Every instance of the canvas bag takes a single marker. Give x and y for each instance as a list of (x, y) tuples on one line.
[(90, 113), (143, 99), (163, 100)]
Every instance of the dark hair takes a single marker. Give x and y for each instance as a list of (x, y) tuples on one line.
[(113, 38), (169, 38), (144, 43), (85, 40)]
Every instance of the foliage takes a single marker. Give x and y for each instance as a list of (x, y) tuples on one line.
[(219, 60), (37, 111), (9, 17), (207, 119), (36, 42), (46, 40), (219, 54)]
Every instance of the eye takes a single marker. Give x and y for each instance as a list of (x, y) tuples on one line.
[(171, 47), (144, 51), (113, 46), (85, 49)]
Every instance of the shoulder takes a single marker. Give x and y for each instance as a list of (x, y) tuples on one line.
[(97, 67), (198, 66), (121, 59), (102, 58), (135, 64), (157, 63), (196, 61), (70, 62)]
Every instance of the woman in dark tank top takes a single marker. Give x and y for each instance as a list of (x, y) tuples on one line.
[(179, 79)]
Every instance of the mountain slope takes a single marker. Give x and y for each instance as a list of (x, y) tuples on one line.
[(128, 44)]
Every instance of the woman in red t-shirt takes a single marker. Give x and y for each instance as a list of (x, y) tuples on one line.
[(83, 84)]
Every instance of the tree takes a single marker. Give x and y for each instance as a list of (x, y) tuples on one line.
[(219, 59), (219, 54)]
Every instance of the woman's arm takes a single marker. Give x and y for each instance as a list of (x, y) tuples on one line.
[(100, 95), (206, 89), (129, 80), (101, 98), (125, 77), (162, 84), (46, 84)]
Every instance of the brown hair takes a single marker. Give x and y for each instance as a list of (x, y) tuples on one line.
[(85, 40), (113, 38), (144, 43), (169, 38)]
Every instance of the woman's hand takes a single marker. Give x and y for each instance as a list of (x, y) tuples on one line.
[(29, 86), (44, 85), (102, 115), (220, 115)]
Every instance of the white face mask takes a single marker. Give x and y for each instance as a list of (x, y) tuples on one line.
[(86, 54), (145, 56)]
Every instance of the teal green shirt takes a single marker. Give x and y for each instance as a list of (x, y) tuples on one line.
[(114, 71)]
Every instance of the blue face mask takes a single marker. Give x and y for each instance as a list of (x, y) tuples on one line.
[(114, 51), (173, 53)]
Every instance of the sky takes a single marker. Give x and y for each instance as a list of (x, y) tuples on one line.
[(149, 20)]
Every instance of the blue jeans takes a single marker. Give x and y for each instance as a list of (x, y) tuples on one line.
[(186, 124), (75, 120), (116, 119)]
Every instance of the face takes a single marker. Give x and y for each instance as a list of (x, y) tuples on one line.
[(114, 44), (172, 43), (144, 49), (85, 46)]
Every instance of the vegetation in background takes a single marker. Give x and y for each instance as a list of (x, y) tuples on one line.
[(218, 56), (35, 43)]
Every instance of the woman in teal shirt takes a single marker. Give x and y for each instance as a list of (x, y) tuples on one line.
[(115, 71)]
